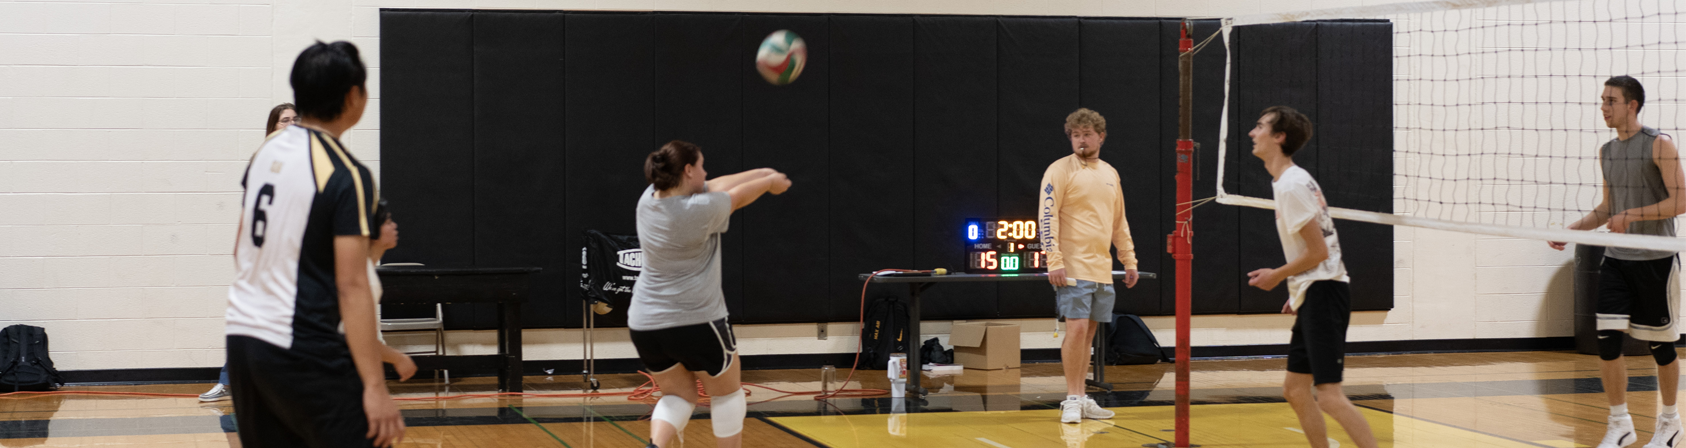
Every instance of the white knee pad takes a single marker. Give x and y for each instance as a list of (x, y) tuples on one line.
[(675, 411), (727, 411)]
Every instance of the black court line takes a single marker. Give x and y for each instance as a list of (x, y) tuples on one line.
[(618, 426), (792, 432), (95, 427), (541, 427), (1143, 434)]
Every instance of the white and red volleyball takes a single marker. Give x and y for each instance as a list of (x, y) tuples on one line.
[(781, 57)]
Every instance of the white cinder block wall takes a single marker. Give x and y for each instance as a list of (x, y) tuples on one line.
[(124, 127)]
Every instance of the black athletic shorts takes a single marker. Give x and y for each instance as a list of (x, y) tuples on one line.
[(1319, 343), (706, 347), (1638, 297), (288, 398)]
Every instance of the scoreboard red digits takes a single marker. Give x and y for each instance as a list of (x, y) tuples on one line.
[(1004, 246)]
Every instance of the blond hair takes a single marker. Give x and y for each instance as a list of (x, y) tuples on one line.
[(1085, 118)]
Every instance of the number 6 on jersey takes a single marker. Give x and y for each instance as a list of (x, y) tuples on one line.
[(260, 220)]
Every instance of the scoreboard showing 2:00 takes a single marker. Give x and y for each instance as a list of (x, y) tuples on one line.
[(1004, 246)]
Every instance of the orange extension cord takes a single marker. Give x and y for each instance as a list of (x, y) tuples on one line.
[(641, 393)]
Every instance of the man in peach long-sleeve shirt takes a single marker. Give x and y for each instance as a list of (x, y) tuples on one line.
[(1081, 214)]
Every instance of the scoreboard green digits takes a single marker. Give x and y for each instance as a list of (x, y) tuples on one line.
[(1004, 246)]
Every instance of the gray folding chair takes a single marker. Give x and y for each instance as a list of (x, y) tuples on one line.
[(436, 324)]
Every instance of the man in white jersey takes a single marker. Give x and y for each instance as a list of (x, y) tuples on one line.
[(301, 262), (1317, 282), (1637, 288)]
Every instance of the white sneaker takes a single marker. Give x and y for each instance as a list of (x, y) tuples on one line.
[(1668, 432), (1071, 411), (218, 393), (1095, 411), (1620, 433)]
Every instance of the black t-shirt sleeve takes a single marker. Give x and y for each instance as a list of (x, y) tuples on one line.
[(351, 212)]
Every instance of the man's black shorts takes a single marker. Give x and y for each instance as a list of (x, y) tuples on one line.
[(1640, 297), (706, 347), (287, 398), (1319, 343)]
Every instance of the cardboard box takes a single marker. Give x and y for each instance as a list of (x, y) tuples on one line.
[(986, 345)]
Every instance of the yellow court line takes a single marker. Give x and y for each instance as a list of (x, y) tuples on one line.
[(1259, 425)]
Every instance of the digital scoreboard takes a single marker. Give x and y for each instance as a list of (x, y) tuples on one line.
[(1004, 246)]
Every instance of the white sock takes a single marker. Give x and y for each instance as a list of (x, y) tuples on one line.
[(1667, 410), (1618, 410), (1074, 397)]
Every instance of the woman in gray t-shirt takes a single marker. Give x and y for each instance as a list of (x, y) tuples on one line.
[(678, 314)]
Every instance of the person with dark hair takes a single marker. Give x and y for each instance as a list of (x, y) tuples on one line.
[(301, 260), (1318, 295), (1080, 211), (678, 315), (327, 82), (1638, 289)]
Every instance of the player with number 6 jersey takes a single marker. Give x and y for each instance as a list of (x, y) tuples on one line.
[(302, 189), (301, 260)]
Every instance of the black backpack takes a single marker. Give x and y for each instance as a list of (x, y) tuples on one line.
[(24, 364), (1129, 342), (883, 332), (933, 352)]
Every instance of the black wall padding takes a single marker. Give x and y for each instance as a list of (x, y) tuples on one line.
[(1277, 65), (508, 134), (1355, 149), (872, 110), (517, 154), (1038, 87), (786, 252), (427, 142), (700, 65), (1216, 272), (1113, 82), (609, 76), (955, 153)]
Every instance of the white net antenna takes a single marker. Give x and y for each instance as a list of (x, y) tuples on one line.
[(1497, 121)]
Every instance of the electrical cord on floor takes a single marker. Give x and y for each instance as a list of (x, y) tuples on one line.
[(28, 394), (642, 392)]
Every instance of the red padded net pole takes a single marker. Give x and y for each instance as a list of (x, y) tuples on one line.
[(1181, 244)]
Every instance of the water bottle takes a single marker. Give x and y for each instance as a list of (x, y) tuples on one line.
[(828, 374), (897, 371)]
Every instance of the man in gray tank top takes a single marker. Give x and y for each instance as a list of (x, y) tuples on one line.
[(1637, 288)]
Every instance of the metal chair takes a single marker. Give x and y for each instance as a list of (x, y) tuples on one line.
[(436, 324)]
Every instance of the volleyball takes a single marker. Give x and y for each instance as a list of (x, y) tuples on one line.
[(781, 57)]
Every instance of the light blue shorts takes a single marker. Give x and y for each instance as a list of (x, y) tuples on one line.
[(1087, 300)]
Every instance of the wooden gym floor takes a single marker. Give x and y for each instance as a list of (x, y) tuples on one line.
[(1526, 399)]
